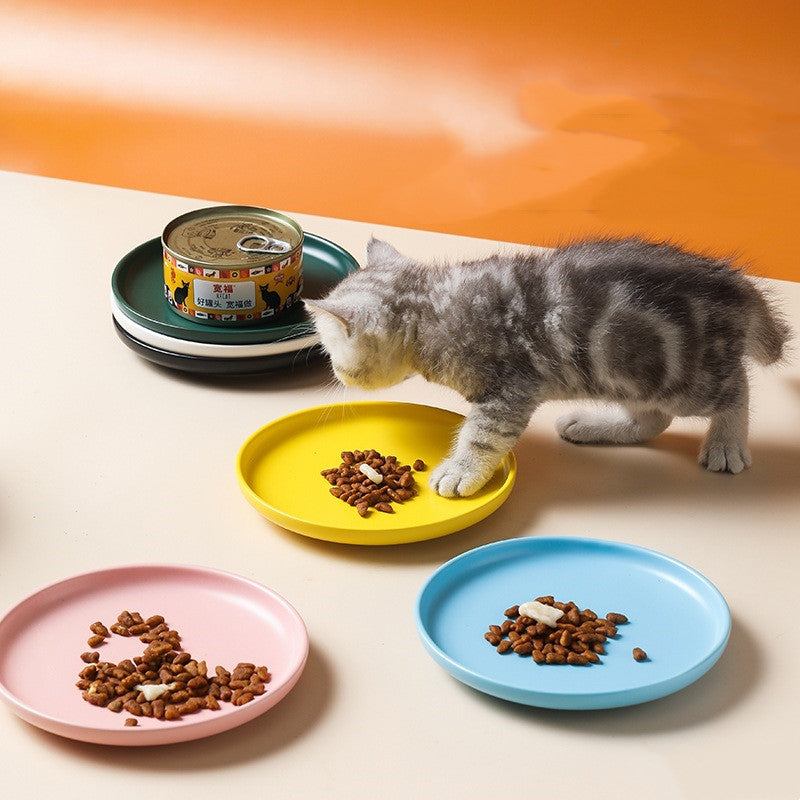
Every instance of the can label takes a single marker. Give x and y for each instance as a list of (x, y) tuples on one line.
[(238, 295), (222, 296)]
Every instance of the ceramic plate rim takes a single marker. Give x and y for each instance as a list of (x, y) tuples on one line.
[(188, 729), (189, 347), (398, 535), (202, 365), (568, 700)]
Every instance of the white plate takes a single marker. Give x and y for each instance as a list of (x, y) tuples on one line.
[(204, 349)]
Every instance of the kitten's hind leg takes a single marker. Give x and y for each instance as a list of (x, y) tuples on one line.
[(612, 425), (724, 448)]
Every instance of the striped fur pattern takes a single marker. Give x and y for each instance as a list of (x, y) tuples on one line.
[(657, 331)]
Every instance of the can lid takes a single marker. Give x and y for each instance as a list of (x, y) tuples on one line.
[(232, 235)]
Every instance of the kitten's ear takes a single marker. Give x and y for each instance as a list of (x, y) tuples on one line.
[(330, 309), (380, 252)]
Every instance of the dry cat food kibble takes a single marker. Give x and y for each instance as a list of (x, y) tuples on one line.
[(639, 654), (554, 633), (165, 682), (365, 479)]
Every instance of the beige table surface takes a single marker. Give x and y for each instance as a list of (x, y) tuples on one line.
[(90, 461)]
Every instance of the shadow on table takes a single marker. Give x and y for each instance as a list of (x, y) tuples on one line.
[(291, 719), (715, 694), (555, 474)]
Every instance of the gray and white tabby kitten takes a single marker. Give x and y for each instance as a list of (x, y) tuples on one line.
[(658, 331)]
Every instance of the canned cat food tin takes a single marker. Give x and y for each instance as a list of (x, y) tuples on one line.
[(229, 265)]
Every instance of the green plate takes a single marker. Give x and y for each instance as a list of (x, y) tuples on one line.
[(138, 286)]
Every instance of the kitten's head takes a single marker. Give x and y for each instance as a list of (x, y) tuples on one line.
[(359, 325)]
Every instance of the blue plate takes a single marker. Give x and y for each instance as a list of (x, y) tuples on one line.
[(676, 615)]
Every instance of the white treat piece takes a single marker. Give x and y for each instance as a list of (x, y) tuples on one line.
[(152, 691), (541, 612), (371, 473)]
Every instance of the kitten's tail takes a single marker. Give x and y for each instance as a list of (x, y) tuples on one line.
[(769, 332)]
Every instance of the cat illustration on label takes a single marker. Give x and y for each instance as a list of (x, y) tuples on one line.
[(649, 329), (181, 293), (294, 297), (270, 298)]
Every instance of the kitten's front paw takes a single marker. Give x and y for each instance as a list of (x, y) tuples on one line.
[(725, 457), (455, 479)]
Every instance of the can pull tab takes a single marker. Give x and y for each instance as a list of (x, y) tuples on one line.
[(258, 243)]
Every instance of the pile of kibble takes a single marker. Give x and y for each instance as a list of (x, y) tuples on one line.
[(579, 636), (365, 479), (114, 686)]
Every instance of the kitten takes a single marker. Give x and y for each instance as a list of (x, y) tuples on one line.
[(656, 330)]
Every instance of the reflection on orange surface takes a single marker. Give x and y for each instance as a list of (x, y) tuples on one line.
[(520, 121)]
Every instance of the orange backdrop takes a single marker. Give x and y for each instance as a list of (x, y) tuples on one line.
[(522, 121)]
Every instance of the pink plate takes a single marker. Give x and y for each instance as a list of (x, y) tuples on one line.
[(222, 618)]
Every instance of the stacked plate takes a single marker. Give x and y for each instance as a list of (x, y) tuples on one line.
[(146, 324)]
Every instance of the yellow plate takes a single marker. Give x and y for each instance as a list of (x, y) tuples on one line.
[(279, 472)]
